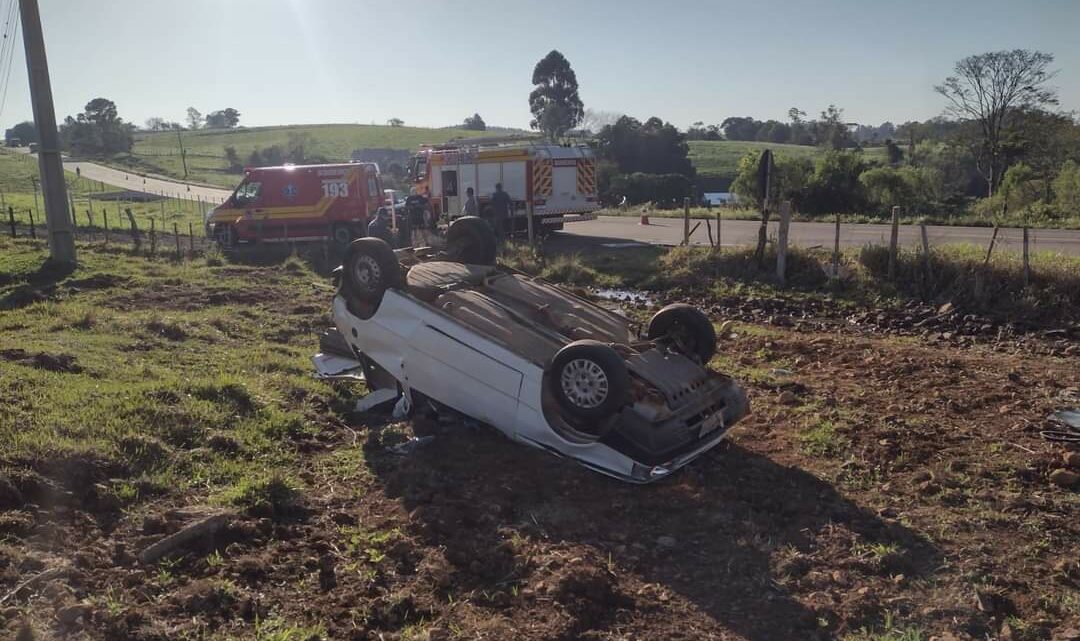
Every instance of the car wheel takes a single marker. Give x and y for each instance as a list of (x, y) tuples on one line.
[(471, 240), (687, 328), (589, 380), (342, 234), (370, 269), (225, 235)]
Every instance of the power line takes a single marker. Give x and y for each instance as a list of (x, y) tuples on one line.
[(7, 49), (10, 58)]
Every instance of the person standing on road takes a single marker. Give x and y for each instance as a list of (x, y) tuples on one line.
[(470, 207), (500, 212)]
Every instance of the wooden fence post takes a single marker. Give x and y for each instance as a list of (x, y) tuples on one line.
[(11, 219), (529, 222), (89, 225), (894, 240), (782, 241), (686, 221), (1027, 260), (836, 251), (105, 218), (191, 238), (153, 237), (135, 238), (926, 251), (176, 237), (718, 235), (33, 230)]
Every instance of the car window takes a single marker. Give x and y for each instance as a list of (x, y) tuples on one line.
[(372, 185), (247, 193)]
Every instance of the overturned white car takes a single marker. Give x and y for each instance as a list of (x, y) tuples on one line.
[(542, 365)]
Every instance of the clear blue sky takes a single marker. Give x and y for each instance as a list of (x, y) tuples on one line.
[(432, 63)]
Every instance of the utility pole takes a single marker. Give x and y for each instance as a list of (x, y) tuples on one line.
[(183, 154), (50, 165)]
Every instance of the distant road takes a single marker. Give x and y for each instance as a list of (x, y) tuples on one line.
[(669, 231), (135, 182)]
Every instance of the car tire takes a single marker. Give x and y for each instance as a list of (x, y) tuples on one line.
[(471, 240), (342, 234), (589, 380), (688, 328), (370, 269)]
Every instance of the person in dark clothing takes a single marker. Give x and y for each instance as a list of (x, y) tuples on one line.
[(501, 206), (379, 227)]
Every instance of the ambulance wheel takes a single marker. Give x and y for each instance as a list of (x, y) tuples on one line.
[(370, 269), (589, 380), (687, 328), (225, 235), (342, 234), (471, 240)]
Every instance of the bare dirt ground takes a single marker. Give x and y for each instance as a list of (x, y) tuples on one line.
[(881, 487)]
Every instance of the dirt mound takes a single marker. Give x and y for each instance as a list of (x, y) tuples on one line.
[(43, 360), (97, 281)]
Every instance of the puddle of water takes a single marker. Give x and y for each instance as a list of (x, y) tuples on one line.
[(625, 296)]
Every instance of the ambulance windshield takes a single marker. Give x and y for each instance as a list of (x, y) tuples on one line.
[(247, 192)]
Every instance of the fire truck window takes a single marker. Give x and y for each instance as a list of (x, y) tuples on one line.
[(449, 182), (419, 168), (247, 193), (372, 186)]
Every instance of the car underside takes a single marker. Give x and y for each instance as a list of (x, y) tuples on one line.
[(537, 362)]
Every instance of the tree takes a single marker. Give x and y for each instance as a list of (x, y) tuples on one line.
[(700, 131), (895, 153), (831, 131), (800, 133), (475, 123), (1067, 188), (741, 128), (988, 88), (156, 123), (223, 119), (395, 122), (26, 132), (194, 118), (554, 101), (97, 130), (652, 147)]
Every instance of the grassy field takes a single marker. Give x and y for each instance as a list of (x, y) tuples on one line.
[(159, 153), (17, 175)]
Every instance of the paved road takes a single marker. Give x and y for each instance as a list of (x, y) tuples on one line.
[(669, 231), (135, 182)]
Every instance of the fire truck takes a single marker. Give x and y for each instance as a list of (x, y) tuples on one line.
[(557, 183), (298, 203)]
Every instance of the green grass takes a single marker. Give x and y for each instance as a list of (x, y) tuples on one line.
[(17, 172), (169, 358), (160, 152)]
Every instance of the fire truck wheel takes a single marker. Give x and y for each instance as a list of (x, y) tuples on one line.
[(687, 328), (225, 236), (342, 234), (471, 240), (370, 269)]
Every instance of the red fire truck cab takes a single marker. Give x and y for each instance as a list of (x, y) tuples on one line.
[(298, 203)]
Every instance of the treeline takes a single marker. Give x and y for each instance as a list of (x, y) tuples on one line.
[(828, 130), (937, 170)]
